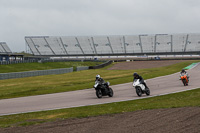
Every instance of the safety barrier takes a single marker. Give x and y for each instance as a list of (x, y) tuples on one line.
[(44, 61), (17, 62), (14, 75), (80, 68), (34, 73), (101, 65)]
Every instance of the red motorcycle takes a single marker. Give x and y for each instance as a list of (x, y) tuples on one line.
[(184, 80)]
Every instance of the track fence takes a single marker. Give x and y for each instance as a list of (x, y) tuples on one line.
[(34, 73)]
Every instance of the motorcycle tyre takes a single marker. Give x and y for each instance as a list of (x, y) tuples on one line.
[(110, 92), (139, 91), (184, 82), (147, 91), (99, 93)]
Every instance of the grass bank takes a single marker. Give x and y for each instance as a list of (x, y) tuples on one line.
[(77, 80), (182, 99), (44, 66)]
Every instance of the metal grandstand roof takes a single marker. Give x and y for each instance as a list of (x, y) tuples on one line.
[(113, 45), (4, 49)]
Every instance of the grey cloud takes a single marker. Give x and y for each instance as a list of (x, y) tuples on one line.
[(21, 18)]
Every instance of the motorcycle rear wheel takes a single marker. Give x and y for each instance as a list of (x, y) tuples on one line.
[(147, 91), (184, 82)]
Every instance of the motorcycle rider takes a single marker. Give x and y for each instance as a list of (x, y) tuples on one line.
[(183, 72), (98, 78), (137, 76)]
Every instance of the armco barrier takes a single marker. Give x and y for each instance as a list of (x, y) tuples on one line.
[(45, 60), (16, 62), (101, 65), (79, 68), (34, 73)]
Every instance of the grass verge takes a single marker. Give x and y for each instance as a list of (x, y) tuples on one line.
[(47, 84), (183, 99)]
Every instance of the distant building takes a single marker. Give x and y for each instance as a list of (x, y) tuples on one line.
[(7, 55)]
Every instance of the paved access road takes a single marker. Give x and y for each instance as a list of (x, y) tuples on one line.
[(122, 92)]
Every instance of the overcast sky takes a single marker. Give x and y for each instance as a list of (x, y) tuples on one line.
[(20, 18)]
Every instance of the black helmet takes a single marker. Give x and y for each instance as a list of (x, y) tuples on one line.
[(135, 74), (183, 70)]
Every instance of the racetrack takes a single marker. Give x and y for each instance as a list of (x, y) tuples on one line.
[(122, 92)]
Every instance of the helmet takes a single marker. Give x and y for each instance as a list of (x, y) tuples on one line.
[(183, 70), (98, 76), (135, 74)]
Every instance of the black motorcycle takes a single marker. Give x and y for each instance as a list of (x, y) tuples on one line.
[(103, 89)]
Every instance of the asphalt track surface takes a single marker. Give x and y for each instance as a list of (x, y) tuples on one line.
[(122, 92)]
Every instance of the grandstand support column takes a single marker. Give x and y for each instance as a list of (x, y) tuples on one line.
[(78, 45), (63, 45), (49, 46), (141, 42), (186, 42), (109, 44), (34, 46), (124, 41), (26, 47), (95, 45), (155, 43), (171, 43)]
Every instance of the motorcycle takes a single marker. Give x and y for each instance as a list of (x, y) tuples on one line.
[(103, 89), (140, 88), (184, 79)]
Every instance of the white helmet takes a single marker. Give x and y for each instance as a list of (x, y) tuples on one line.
[(98, 76)]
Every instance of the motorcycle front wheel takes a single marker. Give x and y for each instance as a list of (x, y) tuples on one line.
[(110, 92), (139, 91), (99, 93)]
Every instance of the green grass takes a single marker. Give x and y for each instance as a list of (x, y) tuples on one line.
[(182, 99), (77, 80), (43, 66)]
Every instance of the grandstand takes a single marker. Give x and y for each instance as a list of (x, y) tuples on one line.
[(4, 49), (114, 45), (7, 55)]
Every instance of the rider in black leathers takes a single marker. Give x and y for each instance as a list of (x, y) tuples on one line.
[(104, 84), (98, 78), (137, 76)]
